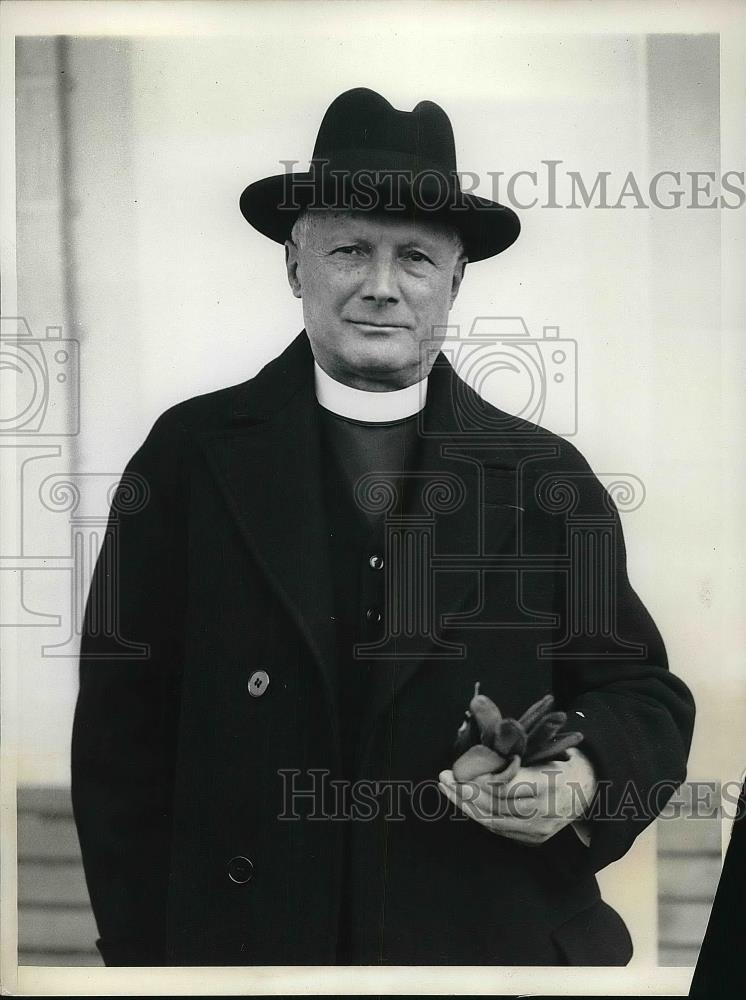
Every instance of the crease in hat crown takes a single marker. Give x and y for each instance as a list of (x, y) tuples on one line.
[(365, 146)]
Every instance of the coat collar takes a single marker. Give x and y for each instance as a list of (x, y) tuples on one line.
[(268, 460)]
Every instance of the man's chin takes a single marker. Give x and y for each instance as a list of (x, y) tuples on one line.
[(383, 363)]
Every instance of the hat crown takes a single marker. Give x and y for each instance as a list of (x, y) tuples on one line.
[(361, 121), (369, 156)]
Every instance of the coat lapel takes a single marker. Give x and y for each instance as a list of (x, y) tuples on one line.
[(268, 465)]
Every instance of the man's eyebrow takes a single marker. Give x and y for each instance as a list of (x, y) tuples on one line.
[(418, 241), (424, 242), (344, 238)]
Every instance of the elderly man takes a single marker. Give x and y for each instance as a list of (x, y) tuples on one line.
[(312, 572)]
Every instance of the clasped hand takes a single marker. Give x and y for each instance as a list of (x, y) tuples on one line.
[(532, 805)]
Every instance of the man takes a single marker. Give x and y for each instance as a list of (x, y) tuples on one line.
[(312, 571)]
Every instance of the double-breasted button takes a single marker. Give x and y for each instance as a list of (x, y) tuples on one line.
[(258, 683), (375, 561), (374, 615), (240, 870)]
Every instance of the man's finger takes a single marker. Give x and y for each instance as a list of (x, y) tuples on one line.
[(529, 830), (482, 806), (534, 781), (480, 793), (517, 788)]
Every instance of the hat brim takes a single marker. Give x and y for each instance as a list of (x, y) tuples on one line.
[(486, 227)]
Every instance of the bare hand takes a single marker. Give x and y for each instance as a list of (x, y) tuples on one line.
[(534, 804)]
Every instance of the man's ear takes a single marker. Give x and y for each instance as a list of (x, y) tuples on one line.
[(291, 265), (458, 276)]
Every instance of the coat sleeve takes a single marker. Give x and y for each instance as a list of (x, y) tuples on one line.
[(635, 715), (125, 725)]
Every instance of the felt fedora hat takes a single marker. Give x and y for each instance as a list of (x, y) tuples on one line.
[(371, 157)]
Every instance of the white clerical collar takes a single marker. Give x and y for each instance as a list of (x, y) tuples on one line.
[(360, 404)]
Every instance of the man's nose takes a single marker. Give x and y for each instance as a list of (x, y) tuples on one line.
[(381, 284)]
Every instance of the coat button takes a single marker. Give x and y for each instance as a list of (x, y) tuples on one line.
[(258, 683), (240, 870), (375, 561), (374, 615)]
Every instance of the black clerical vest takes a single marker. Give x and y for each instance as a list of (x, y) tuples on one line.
[(359, 461)]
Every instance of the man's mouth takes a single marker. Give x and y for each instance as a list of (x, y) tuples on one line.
[(371, 325)]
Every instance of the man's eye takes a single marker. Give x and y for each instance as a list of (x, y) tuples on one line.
[(417, 257), (349, 251)]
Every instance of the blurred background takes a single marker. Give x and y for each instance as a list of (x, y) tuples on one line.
[(140, 284)]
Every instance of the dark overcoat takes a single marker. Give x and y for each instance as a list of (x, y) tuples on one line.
[(215, 565)]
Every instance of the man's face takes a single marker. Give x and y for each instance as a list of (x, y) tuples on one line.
[(373, 289)]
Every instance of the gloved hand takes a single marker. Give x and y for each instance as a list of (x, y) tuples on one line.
[(490, 744)]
